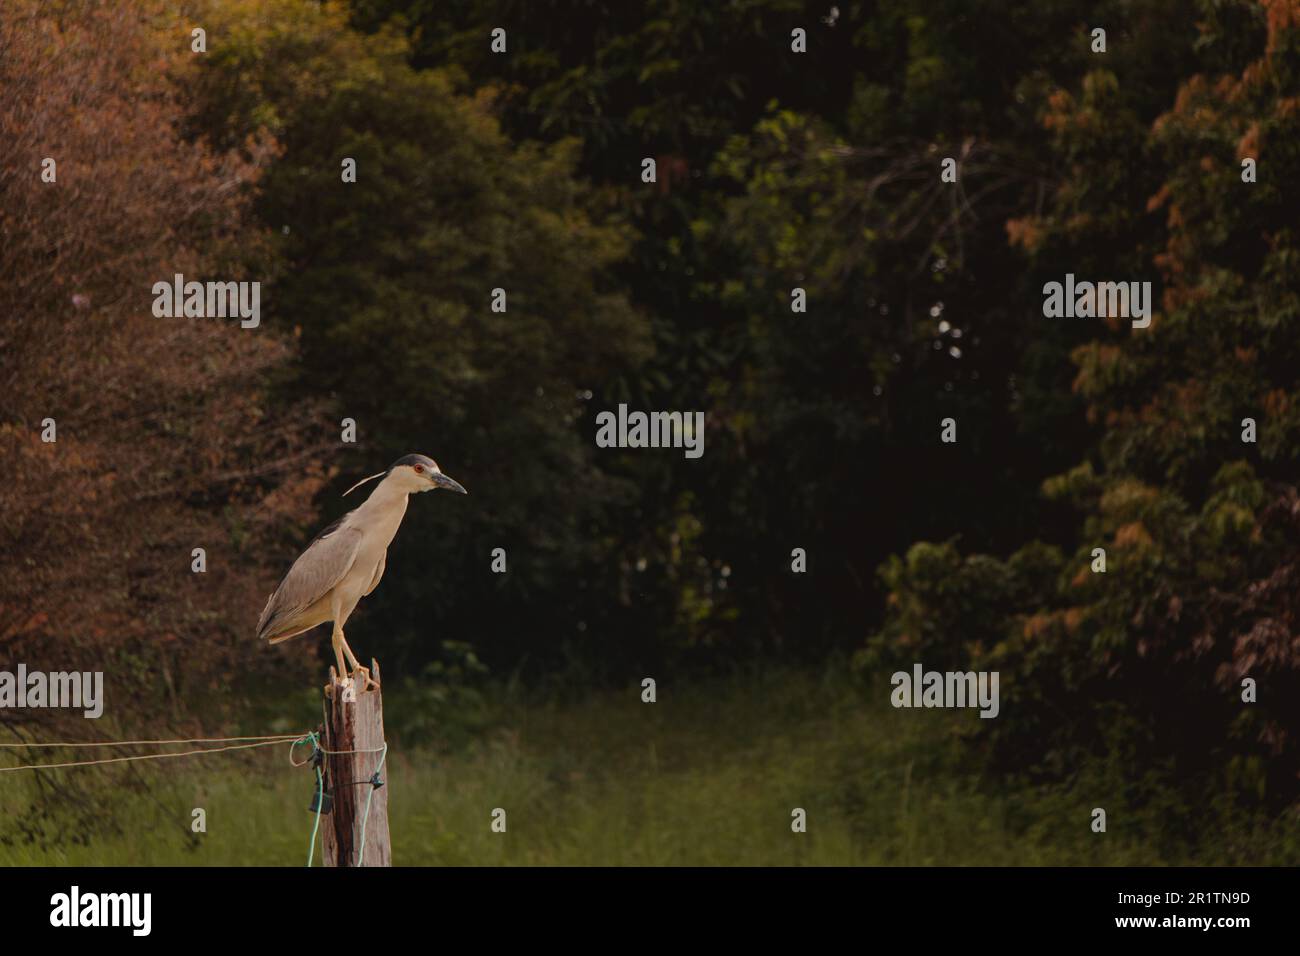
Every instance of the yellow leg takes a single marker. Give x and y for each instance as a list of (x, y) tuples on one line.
[(357, 670), (339, 644)]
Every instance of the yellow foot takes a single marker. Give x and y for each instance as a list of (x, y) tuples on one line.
[(364, 681)]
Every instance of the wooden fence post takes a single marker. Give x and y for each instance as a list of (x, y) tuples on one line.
[(354, 721)]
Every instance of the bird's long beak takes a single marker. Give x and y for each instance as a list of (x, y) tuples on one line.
[(451, 484)]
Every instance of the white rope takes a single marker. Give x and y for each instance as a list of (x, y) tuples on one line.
[(128, 743), (186, 753)]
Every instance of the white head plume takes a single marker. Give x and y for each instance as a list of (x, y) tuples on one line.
[(363, 481)]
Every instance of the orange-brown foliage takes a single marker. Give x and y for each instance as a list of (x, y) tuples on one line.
[(164, 443)]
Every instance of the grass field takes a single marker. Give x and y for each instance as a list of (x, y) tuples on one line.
[(708, 775)]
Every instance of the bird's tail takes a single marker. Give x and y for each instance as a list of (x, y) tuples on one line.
[(282, 637), (273, 627), (265, 621), (277, 630)]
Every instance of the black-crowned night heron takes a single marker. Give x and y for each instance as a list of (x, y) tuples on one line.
[(345, 561)]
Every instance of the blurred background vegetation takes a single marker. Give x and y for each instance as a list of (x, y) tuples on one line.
[(775, 170)]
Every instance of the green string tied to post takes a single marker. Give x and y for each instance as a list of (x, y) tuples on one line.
[(321, 801), (375, 783), (320, 797)]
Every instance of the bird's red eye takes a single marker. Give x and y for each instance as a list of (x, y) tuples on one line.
[(419, 469)]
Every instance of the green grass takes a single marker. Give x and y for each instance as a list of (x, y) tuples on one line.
[(708, 775)]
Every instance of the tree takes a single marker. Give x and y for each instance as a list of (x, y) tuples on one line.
[(164, 443), (1198, 525), (389, 284)]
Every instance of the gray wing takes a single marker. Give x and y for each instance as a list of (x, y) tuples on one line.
[(317, 570), (379, 573)]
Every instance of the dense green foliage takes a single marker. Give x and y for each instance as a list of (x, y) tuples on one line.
[(1199, 526), (1124, 165), (388, 284), (777, 171)]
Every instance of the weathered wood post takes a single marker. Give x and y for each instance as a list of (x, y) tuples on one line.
[(354, 732)]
